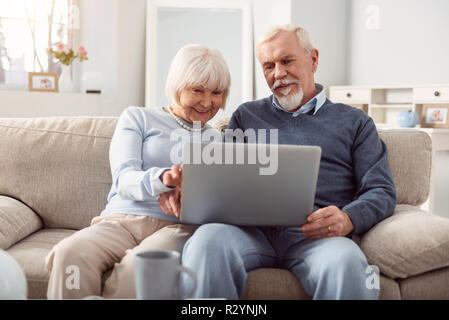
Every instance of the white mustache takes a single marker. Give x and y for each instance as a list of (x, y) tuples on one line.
[(281, 82)]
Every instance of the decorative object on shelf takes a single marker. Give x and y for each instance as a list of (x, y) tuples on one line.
[(66, 82), (435, 116), (408, 119), (43, 81), (66, 56), (13, 285), (91, 82)]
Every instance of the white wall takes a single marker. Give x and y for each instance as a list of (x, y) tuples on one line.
[(114, 37), (411, 45), (100, 16), (225, 36), (265, 14), (327, 24), (441, 203), (131, 54)]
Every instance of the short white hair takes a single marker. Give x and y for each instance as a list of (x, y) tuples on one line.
[(197, 65), (303, 36)]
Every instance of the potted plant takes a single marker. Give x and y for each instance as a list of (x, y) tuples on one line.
[(66, 56)]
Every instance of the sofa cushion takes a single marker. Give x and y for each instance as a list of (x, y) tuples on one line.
[(389, 289), (410, 168), (30, 253), (408, 243), (16, 221), (59, 167), (432, 285), (277, 284)]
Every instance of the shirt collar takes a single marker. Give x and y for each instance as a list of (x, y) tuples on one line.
[(316, 102)]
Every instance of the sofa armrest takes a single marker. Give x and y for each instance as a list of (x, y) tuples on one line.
[(408, 243), (16, 221)]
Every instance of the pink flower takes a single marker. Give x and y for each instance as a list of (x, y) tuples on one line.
[(66, 55), (82, 51)]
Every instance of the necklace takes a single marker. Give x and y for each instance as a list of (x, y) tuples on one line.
[(182, 124)]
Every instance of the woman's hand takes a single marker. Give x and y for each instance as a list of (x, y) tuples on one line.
[(170, 202), (172, 177)]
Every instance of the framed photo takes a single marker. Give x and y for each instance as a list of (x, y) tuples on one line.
[(43, 81), (435, 116)]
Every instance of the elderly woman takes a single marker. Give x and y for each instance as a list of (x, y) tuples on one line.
[(142, 171)]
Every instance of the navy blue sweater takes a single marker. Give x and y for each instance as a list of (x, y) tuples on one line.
[(354, 173)]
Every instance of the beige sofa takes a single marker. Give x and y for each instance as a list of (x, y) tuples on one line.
[(54, 178)]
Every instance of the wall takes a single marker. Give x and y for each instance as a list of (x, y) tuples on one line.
[(441, 204), (265, 14), (114, 36), (119, 55), (224, 36), (410, 47), (102, 44), (327, 24), (131, 54)]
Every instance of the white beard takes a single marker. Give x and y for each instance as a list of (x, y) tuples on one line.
[(291, 101), (288, 101)]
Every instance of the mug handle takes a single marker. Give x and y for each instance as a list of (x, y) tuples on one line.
[(193, 276)]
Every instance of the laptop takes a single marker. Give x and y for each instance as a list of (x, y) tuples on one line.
[(248, 184)]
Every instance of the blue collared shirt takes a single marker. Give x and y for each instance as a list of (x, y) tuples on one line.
[(316, 102)]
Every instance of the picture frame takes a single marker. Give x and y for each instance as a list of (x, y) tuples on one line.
[(43, 81), (435, 116)]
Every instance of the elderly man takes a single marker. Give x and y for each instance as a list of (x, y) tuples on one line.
[(355, 189)]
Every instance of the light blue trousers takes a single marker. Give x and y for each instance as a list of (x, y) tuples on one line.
[(221, 255)]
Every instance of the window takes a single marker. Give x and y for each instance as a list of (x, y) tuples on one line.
[(27, 29)]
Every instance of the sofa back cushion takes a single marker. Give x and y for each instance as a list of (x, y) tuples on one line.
[(410, 157), (57, 166)]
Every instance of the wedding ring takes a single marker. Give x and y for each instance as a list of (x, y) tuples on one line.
[(329, 229)]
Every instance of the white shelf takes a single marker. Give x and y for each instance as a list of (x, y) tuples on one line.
[(383, 103), (392, 106), (17, 104)]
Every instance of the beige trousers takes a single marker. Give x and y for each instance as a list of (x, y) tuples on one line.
[(78, 262)]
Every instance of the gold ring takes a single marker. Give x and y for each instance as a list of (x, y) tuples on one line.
[(329, 229)]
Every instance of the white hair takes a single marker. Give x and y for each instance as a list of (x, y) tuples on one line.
[(197, 65), (303, 36)]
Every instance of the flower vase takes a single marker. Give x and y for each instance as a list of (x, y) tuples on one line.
[(65, 82)]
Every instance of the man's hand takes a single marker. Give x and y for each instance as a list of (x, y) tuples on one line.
[(327, 222), (172, 177), (170, 202)]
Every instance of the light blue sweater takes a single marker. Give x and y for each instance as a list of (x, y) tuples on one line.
[(139, 152)]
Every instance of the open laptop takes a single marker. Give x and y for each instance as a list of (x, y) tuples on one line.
[(254, 185)]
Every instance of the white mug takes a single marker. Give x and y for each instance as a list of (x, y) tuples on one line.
[(156, 275)]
